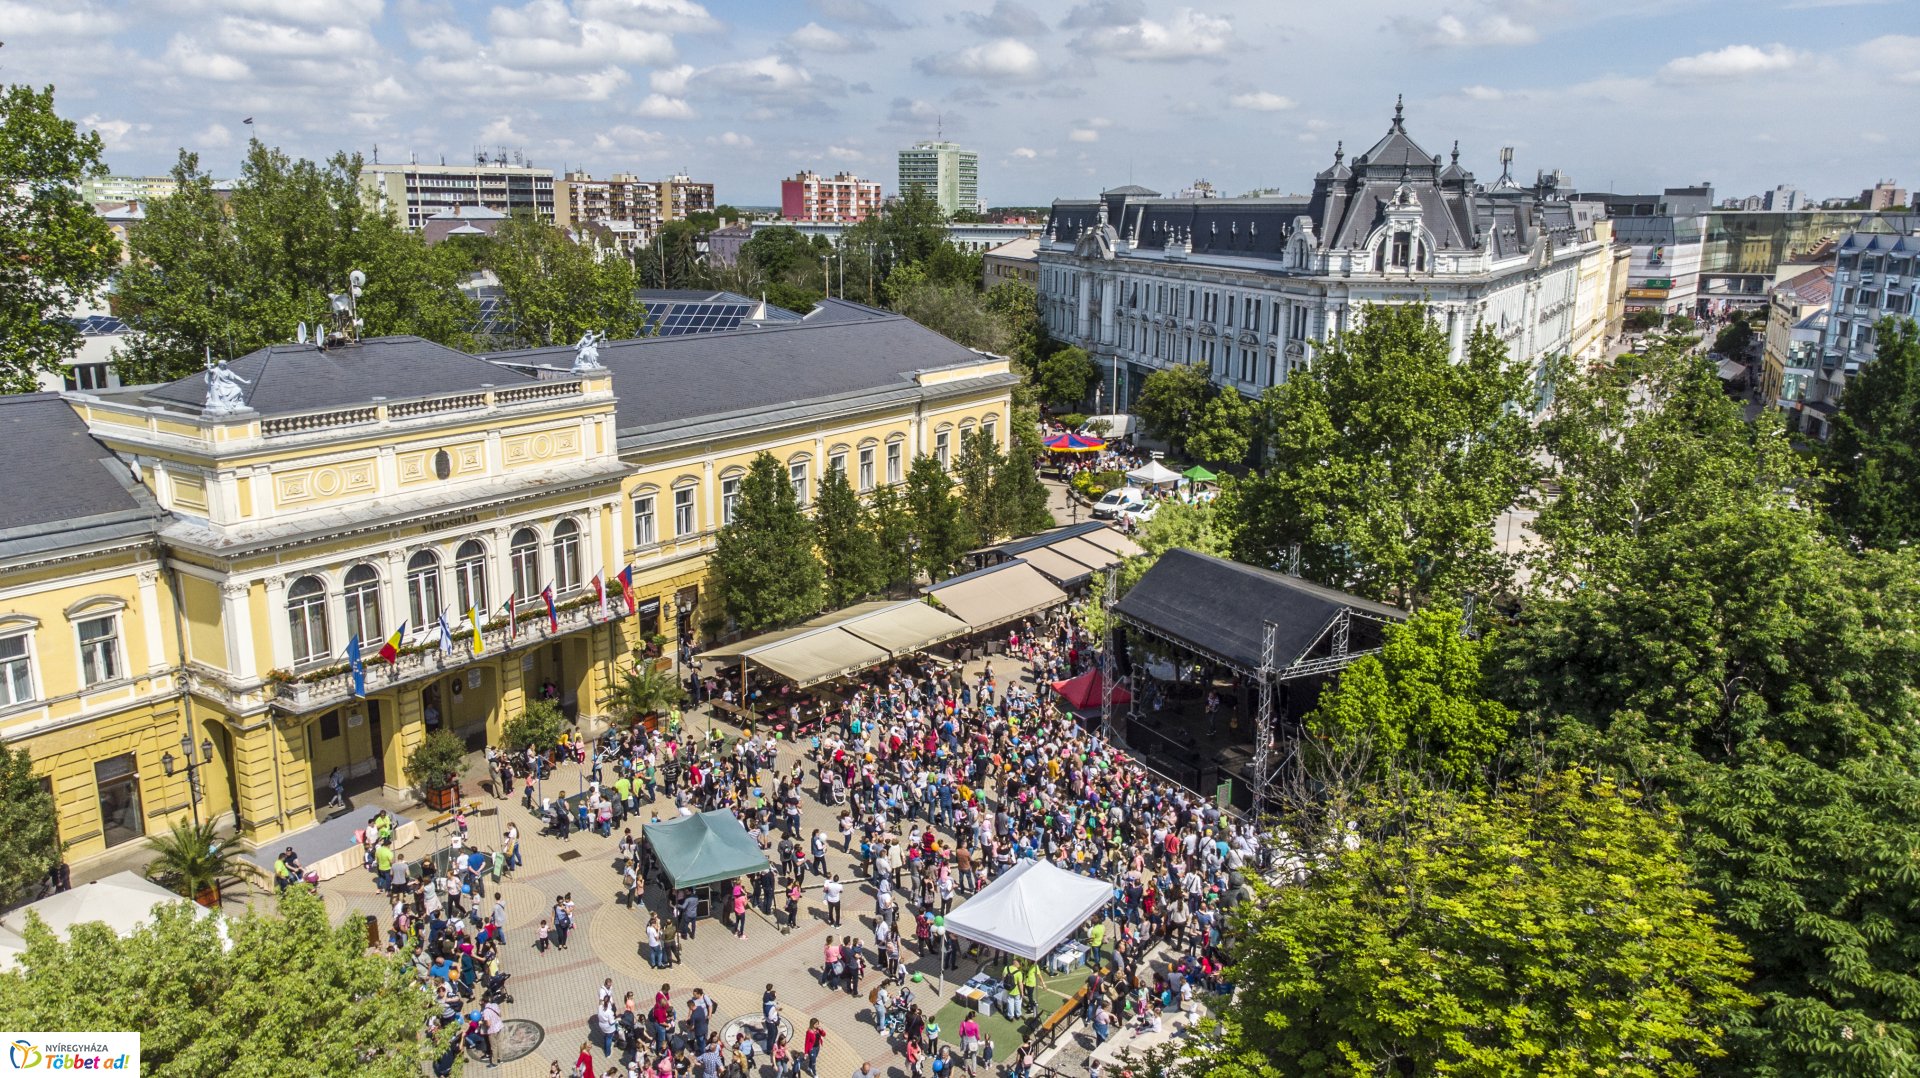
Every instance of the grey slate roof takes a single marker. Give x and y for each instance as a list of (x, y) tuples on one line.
[(286, 378), (676, 381), (61, 488)]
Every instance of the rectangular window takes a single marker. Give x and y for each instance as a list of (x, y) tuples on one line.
[(797, 472), (989, 427), (943, 449), (87, 376), (330, 726), (99, 650), (16, 670), (866, 468), (683, 512), (893, 462), (118, 780), (729, 497), (644, 533), (837, 464)]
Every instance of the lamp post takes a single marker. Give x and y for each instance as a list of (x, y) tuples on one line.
[(193, 766)]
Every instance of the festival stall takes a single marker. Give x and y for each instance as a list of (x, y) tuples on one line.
[(702, 850)]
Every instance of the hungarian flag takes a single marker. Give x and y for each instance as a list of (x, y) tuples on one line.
[(390, 651), (513, 621), (626, 589), (553, 615), (473, 622)]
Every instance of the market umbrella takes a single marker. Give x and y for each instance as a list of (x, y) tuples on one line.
[(1074, 442), (1199, 474)]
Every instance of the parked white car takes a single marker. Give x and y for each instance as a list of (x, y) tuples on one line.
[(1124, 501), (1141, 513)]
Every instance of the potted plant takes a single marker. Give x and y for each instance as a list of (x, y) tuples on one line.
[(646, 691), (538, 727), (192, 861), (435, 767)]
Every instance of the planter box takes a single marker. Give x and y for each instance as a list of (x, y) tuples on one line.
[(210, 898), (442, 800)]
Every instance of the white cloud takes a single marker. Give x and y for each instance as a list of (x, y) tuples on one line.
[(1083, 134), (732, 139), (845, 153), (669, 16), (188, 58), (814, 37), (861, 13), (1025, 151), (1732, 62), (1006, 19), (1451, 30), (1481, 93), (256, 37), (761, 76), (501, 130), (113, 132), (1188, 35), (215, 136), (670, 80), (331, 13), (545, 35), (1003, 58), (625, 138), (71, 20), (1897, 56), (1260, 101), (662, 107)]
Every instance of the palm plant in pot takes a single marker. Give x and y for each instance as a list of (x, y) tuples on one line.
[(193, 861), (646, 691), (435, 767)]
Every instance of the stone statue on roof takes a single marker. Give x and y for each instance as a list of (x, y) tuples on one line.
[(225, 394), (586, 354)]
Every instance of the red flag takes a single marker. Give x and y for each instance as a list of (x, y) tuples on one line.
[(626, 589), (513, 620), (553, 615), (599, 594)]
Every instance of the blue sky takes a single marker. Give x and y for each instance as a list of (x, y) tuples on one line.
[(1060, 99)]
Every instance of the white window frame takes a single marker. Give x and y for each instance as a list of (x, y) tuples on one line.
[(566, 556), (686, 517), (417, 597), (100, 649), (896, 457), (309, 641), (16, 670), (866, 468), (646, 526), (523, 564), (354, 605), (470, 578), (943, 449), (797, 475), (730, 496)]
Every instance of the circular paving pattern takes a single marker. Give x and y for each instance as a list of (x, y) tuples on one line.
[(755, 1029), (518, 1037)]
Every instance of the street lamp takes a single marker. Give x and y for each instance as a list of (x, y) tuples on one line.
[(193, 768)]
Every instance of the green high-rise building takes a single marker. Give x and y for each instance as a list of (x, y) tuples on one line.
[(945, 171)]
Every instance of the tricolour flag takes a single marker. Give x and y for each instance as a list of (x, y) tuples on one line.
[(390, 651), (359, 668), (473, 622), (553, 614), (513, 619), (599, 593), (626, 589)]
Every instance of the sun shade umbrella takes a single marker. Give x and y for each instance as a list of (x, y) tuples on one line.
[(1073, 442), (1199, 474)]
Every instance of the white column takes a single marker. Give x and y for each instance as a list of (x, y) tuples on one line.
[(278, 633), (1109, 297), (393, 592), (150, 619), (1081, 324), (238, 623)]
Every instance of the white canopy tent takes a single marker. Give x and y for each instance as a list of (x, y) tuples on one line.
[(1030, 909), (123, 902), (1155, 474)]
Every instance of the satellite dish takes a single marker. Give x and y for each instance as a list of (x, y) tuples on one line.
[(301, 334), (356, 280)]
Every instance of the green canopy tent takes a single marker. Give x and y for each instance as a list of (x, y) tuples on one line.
[(1199, 474), (705, 848)]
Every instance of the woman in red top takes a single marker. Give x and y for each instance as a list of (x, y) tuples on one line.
[(811, 1046)]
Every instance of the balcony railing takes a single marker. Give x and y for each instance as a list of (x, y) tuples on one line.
[(413, 409), (303, 696)]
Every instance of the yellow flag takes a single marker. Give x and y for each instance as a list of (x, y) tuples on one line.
[(473, 619)]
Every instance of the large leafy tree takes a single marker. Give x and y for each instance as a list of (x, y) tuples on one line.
[(673, 259), (1222, 434), (849, 546), (1389, 463), (1017, 305), (1549, 930), (980, 460), (1066, 377), (1020, 500), (1171, 402), (891, 520), (764, 559), (287, 994), (1873, 455), (1419, 704), (555, 290), (237, 273), (29, 830), (58, 251), (941, 531)]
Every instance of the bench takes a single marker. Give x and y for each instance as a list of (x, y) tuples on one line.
[(1049, 1030)]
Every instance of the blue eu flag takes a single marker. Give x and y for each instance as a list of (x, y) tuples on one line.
[(359, 669)]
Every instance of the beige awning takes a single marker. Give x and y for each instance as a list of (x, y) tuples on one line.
[(818, 655), (1005, 593), (1094, 557), (1114, 540), (905, 627), (1054, 564)]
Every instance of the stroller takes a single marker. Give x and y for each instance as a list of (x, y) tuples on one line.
[(495, 990)]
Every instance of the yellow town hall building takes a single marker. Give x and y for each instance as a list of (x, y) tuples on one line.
[(190, 560)]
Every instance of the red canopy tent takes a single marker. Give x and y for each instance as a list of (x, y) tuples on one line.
[(1083, 693)]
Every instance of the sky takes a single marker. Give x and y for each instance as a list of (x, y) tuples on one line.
[(1060, 99)]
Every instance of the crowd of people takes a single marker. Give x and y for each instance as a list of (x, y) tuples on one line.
[(937, 781)]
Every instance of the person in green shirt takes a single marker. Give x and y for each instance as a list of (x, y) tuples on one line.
[(1096, 935), (623, 786), (1011, 979), (383, 865)]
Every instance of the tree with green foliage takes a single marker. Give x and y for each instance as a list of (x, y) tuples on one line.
[(250, 996), (1873, 454), (1222, 434), (436, 762), (1420, 704), (194, 858), (763, 559), (1389, 463), (673, 259), (1017, 305), (538, 727), (980, 460), (555, 290), (1643, 319), (890, 519), (849, 548), (29, 828), (58, 251), (1019, 498), (1734, 338), (941, 531), (646, 689), (957, 311), (238, 272), (1171, 402), (1549, 930), (1066, 377)]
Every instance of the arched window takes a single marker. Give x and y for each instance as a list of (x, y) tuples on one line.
[(423, 588), (362, 599), (566, 556), (470, 576), (307, 617), (525, 558)]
